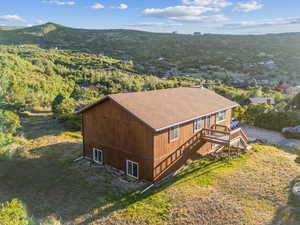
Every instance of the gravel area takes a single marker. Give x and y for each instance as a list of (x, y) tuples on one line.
[(271, 137)]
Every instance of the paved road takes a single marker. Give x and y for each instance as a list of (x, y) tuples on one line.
[(271, 137)]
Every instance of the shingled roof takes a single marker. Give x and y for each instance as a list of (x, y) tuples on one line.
[(161, 109)]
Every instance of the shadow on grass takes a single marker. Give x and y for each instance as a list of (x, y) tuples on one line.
[(49, 184), (119, 202), (289, 214), (40, 123)]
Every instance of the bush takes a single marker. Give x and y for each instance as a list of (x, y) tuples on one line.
[(13, 213), (9, 121), (66, 112), (265, 116)]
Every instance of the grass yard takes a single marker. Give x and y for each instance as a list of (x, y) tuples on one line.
[(254, 189)]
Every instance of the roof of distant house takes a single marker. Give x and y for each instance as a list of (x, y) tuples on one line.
[(283, 86), (161, 109), (268, 100)]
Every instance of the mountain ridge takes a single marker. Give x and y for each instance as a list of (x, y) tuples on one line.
[(158, 53)]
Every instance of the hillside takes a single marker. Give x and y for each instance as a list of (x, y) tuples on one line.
[(254, 189), (274, 55)]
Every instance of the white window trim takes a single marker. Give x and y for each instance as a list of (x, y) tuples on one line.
[(172, 140), (196, 130), (96, 161), (207, 121), (219, 121), (137, 164)]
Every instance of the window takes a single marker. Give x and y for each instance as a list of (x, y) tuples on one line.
[(174, 133), (197, 125), (221, 116), (97, 156), (132, 169), (207, 122)]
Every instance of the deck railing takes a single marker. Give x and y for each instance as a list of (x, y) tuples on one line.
[(218, 134)]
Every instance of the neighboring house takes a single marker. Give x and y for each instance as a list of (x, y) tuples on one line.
[(93, 88), (267, 100), (293, 90), (197, 34), (151, 134), (283, 87)]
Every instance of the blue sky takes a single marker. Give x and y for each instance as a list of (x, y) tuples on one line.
[(184, 16)]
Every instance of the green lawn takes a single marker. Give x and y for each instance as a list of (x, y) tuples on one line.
[(254, 189)]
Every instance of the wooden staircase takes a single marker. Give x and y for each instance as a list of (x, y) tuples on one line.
[(230, 141)]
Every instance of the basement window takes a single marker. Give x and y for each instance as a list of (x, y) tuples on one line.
[(174, 133), (132, 169), (221, 116), (97, 155)]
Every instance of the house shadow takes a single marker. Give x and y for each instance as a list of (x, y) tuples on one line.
[(290, 213), (49, 182)]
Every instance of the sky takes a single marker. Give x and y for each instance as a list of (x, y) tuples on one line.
[(183, 16)]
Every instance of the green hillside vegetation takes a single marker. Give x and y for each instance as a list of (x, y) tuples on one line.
[(209, 53), (40, 92)]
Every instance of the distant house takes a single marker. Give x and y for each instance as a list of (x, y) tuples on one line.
[(263, 81), (240, 84), (149, 135), (106, 68), (267, 100), (293, 90), (197, 33), (283, 87), (124, 61), (93, 88)]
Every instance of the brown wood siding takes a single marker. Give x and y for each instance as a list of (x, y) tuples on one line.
[(120, 135), (164, 161)]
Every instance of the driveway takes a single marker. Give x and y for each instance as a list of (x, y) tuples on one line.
[(272, 137)]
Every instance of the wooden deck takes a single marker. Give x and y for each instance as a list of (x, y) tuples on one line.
[(220, 134)]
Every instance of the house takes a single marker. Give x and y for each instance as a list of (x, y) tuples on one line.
[(151, 134), (283, 87), (93, 88), (240, 83), (293, 90), (267, 100), (197, 34)]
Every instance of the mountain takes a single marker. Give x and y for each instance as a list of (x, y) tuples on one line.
[(276, 56)]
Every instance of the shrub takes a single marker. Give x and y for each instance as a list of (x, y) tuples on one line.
[(66, 112), (13, 213), (9, 121)]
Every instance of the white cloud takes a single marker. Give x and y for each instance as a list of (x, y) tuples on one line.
[(200, 19), (97, 6), (39, 22), (12, 18), (57, 2), (186, 13), (217, 3), (154, 24), (248, 6), (178, 11), (121, 6), (263, 23)]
